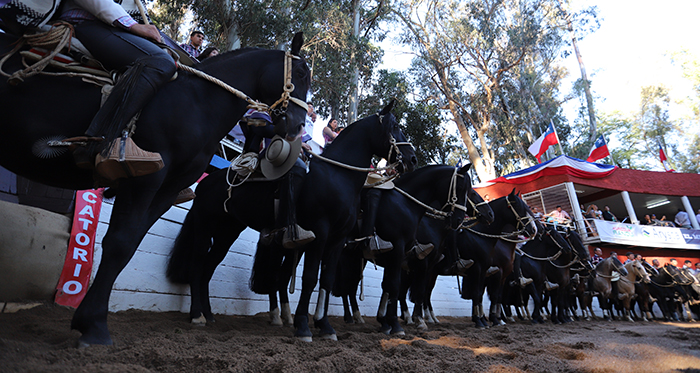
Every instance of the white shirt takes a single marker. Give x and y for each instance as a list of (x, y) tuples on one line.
[(682, 219)]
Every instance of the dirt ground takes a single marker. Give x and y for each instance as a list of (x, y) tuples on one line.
[(39, 340)]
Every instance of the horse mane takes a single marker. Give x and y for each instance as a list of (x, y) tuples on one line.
[(225, 56), (411, 177)]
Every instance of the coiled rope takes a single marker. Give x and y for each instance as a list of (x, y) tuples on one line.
[(57, 38)]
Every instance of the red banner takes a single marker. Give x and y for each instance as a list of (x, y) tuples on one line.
[(77, 269)]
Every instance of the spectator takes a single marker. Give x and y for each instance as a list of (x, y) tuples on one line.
[(687, 264), (682, 219), (656, 264), (196, 40), (647, 220), (639, 257), (597, 256), (308, 133), (560, 216), (535, 212), (673, 262), (630, 257), (487, 198), (607, 215), (209, 52), (697, 269), (329, 133)]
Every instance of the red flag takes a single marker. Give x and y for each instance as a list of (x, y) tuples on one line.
[(599, 150), (664, 161), (543, 142)]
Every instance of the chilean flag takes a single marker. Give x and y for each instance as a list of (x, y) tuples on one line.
[(599, 150), (662, 157), (543, 143)]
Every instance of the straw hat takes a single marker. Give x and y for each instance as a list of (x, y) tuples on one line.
[(375, 178), (279, 157)]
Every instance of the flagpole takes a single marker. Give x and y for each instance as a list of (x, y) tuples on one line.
[(557, 135), (609, 151)]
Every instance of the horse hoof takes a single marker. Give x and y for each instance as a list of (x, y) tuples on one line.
[(307, 339), (199, 321), (330, 337), (399, 333)]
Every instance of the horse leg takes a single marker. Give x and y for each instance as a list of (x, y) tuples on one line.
[(224, 236), (312, 262), (403, 293), (328, 268), (427, 304), (356, 314), (130, 221), (392, 278), (287, 271), (275, 318)]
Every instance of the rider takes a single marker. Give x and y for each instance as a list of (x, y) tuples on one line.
[(116, 39), (370, 204)]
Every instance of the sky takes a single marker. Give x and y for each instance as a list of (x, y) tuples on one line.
[(629, 50)]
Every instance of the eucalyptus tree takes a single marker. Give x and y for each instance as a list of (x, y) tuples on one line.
[(467, 52), (419, 121)]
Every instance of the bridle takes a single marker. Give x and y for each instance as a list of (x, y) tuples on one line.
[(506, 236), (470, 221), (393, 148), (279, 107), (451, 203), (554, 257), (615, 268)]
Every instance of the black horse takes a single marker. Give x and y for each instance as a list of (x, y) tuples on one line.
[(549, 257), (482, 243), (440, 191), (328, 204), (184, 123)]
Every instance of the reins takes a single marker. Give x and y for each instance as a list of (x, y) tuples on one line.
[(506, 236), (451, 200), (554, 257)]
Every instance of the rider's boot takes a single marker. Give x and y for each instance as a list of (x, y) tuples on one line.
[(119, 157), (522, 280), (294, 235), (420, 251)]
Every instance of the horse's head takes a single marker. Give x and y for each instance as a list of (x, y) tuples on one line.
[(556, 241), (461, 191), (580, 250), (477, 208), (292, 77), (638, 269), (397, 148), (651, 271), (617, 265), (525, 221)]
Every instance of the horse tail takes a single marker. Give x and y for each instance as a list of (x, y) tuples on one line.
[(266, 269), (179, 270)]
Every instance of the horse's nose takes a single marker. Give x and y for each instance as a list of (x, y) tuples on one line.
[(412, 162)]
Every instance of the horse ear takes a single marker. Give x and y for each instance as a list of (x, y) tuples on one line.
[(387, 108), (512, 193), (465, 168), (297, 43)]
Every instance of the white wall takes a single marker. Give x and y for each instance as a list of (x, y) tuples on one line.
[(143, 285)]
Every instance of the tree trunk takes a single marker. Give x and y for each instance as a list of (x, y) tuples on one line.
[(586, 87), (352, 105)]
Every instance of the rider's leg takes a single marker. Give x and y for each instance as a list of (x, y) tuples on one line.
[(147, 68), (370, 206), (522, 281), (294, 235)]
